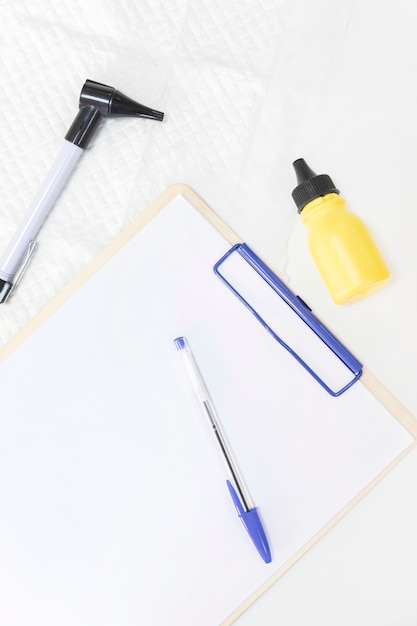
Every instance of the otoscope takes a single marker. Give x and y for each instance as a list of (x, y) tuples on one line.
[(97, 101)]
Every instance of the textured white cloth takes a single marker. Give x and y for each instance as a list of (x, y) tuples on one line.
[(235, 103)]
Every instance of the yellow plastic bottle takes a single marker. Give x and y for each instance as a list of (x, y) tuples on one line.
[(342, 247)]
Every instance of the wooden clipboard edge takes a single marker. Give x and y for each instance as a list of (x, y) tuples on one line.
[(110, 250), (394, 406), (376, 388), (406, 419), (330, 524)]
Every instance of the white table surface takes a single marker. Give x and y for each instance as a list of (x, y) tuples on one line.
[(334, 82)]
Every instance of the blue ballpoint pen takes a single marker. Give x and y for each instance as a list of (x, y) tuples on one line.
[(239, 493)]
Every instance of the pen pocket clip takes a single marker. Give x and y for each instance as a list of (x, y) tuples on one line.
[(288, 319), (27, 258)]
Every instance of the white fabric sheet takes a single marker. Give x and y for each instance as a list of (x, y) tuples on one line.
[(238, 108)]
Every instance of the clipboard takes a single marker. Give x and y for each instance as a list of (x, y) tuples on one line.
[(115, 508)]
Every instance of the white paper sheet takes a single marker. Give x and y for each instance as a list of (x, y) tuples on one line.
[(114, 505)]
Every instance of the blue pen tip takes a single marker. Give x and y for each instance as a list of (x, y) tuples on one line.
[(180, 343)]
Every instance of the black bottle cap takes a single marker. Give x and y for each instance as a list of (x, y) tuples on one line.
[(310, 185)]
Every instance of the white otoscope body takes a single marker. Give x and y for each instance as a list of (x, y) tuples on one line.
[(38, 210), (96, 101)]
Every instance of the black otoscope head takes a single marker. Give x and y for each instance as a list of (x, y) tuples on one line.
[(112, 103), (98, 101)]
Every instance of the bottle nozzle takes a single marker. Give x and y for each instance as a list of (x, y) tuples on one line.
[(303, 171), (310, 184)]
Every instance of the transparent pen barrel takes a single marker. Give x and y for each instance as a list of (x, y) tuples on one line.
[(203, 398), (39, 209), (232, 468)]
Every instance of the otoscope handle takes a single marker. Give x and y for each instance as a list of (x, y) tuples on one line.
[(39, 209)]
